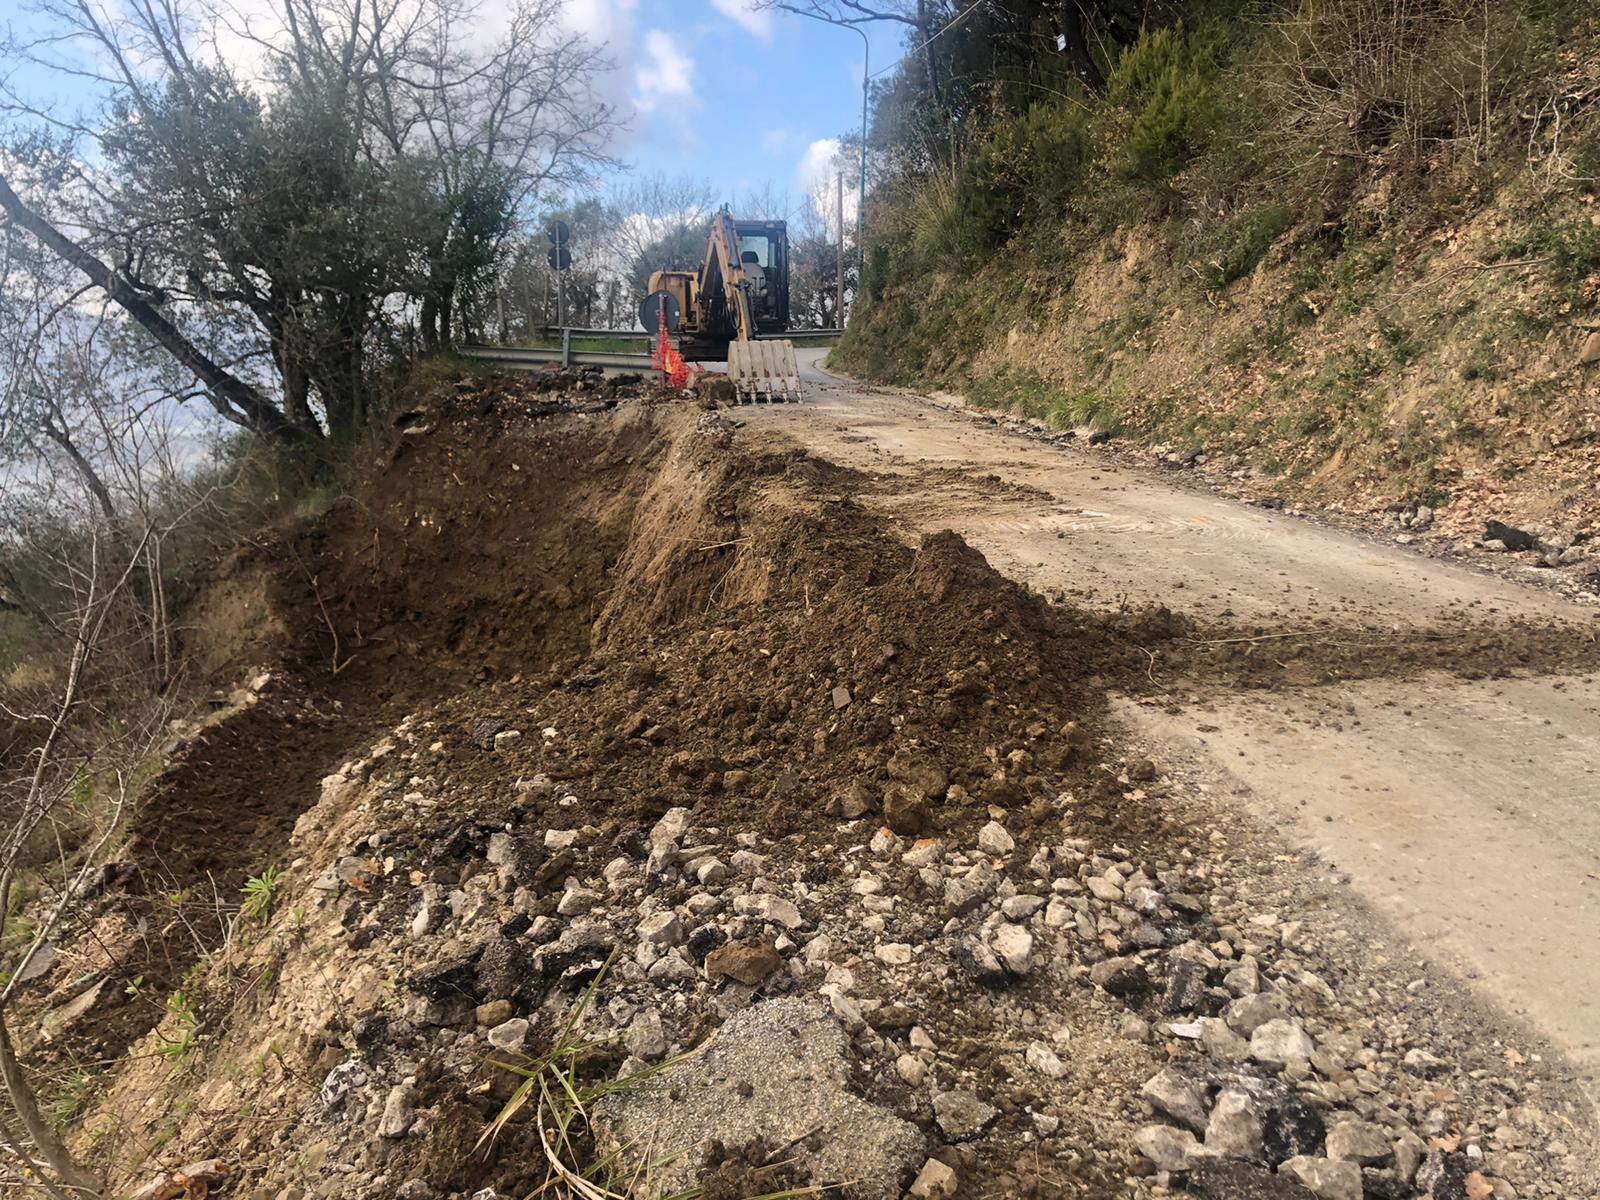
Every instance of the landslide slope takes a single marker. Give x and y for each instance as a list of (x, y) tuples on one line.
[(599, 731)]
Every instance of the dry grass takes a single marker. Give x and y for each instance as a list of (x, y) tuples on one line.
[(554, 1082)]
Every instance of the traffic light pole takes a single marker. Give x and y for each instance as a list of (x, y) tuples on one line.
[(560, 259)]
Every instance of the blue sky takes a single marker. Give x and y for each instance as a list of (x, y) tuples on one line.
[(712, 89), (739, 97)]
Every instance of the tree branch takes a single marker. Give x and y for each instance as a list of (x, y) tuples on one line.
[(233, 398)]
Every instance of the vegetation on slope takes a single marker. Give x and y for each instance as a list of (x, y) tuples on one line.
[(1355, 244)]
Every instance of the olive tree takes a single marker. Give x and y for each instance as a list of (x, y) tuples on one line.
[(355, 161)]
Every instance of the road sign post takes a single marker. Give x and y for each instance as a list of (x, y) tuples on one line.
[(560, 260)]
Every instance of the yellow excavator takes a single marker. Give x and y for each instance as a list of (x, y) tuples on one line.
[(732, 307)]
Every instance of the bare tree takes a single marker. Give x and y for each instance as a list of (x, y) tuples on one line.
[(659, 222), (74, 737), (497, 130), (386, 155), (814, 282), (232, 397), (921, 17), (90, 544), (87, 433)]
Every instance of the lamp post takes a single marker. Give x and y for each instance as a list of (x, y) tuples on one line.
[(861, 199)]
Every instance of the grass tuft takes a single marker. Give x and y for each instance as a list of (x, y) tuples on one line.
[(554, 1082)]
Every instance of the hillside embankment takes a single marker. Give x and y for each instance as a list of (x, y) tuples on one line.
[(1321, 283)]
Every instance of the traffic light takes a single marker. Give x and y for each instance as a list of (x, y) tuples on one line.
[(560, 258)]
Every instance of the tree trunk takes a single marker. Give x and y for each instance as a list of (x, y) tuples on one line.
[(231, 396), (430, 324), (929, 61), (446, 340), (338, 374), (73, 1177), (277, 317), (354, 328), (91, 478), (1073, 28), (297, 392)]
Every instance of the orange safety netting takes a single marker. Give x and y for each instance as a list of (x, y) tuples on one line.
[(667, 357)]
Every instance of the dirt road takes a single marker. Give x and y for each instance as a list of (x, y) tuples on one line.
[(1467, 812)]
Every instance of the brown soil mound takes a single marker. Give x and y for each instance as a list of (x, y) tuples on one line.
[(666, 619), (480, 551)]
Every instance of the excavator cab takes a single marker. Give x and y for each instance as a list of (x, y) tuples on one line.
[(735, 307), (764, 254)]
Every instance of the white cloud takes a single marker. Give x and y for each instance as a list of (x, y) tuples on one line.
[(815, 177), (777, 141), (816, 167), (601, 21), (667, 72), (611, 25), (756, 20)]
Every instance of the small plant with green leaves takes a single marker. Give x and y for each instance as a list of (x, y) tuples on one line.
[(181, 1007), (179, 1048), (258, 894), (72, 1098)]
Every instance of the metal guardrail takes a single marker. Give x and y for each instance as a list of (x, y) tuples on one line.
[(556, 331), (529, 358)]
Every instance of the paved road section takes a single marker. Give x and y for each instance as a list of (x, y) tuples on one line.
[(1468, 812)]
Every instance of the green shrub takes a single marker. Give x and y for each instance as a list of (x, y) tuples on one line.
[(933, 220), (1143, 66), (988, 204), (876, 276), (1024, 170), (1163, 81), (1170, 129), (1057, 150)]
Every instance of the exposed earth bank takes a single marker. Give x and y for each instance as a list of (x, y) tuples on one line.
[(614, 733)]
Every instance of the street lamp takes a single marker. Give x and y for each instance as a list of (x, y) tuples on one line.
[(861, 199)]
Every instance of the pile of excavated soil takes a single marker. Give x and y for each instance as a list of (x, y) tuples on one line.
[(412, 585), (589, 683)]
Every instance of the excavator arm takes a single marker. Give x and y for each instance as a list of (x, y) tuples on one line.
[(760, 370), (722, 278)]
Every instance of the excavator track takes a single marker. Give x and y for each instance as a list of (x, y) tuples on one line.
[(764, 371)]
